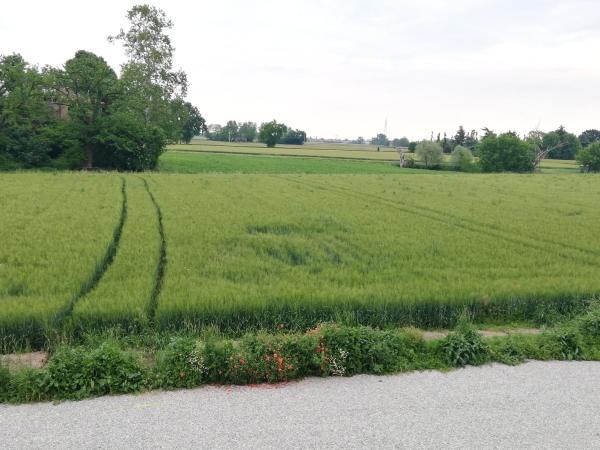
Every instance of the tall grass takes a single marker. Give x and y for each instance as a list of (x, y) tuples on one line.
[(122, 296), (253, 251), (54, 229)]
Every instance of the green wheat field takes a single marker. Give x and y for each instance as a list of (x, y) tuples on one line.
[(243, 241)]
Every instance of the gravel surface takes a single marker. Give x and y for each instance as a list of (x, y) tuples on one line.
[(538, 404)]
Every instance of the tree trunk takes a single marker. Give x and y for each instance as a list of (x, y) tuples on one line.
[(89, 154)]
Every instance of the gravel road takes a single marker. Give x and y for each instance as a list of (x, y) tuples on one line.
[(538, 404)]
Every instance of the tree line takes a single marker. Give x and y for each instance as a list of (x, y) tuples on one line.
[(510, 152), (269, 133), (84, 115)]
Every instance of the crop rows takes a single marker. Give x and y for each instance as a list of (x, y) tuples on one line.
[(87, 252)]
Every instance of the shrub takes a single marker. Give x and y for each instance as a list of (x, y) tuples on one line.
[(565, 343), (506, 152), (180, 364), (465, 346), (75, 373), (27, 385), (589, 158), (352, 350), (461, 158), (429, 153)]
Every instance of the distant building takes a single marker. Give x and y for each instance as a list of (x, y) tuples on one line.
[(59, 111)]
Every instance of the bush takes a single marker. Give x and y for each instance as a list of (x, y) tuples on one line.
[(353, 350), (461, 158), (75, 373), (465, 346), (429, 153), (180, 364), (589, 158), (505, 153), (564, 343)]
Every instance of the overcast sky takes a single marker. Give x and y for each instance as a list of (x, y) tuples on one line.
[(339, 68)]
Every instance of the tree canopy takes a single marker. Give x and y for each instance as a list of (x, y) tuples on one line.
[(270, 133), (506, 152), (84, 115)]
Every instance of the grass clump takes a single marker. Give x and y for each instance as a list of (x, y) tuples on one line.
[(465, 346)]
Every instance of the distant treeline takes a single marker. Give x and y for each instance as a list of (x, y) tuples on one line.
[(268, 133), (560, 144), (508, 151)]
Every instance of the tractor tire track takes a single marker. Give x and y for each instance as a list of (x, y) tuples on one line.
[(102, 266), (459, 222), (162, 259), (592, 253)]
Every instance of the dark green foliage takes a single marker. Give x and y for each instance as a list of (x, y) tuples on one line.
[(85, 116), (505, 153), (412, 146), (293, 137), (25, 115), (588, 137), (565, 343), (4, 383), (562, 144), (589, 158), (75, 373), (126, 142), (465, 346), (353, 350), (191, 122), (271, 133), (180, 364)]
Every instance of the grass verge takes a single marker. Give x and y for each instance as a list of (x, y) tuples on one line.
[(117, 365)]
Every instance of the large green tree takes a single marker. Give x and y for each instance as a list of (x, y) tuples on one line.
[(588, 137), (271, 132), (564, 145), (89, 87), (589, 158), (429, 153), (25, 116), (506, 152), (148, 76)]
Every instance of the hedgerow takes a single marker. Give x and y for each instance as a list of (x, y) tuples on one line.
[(111, 367)]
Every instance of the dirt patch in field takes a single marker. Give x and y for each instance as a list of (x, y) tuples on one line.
[(16, 361)]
